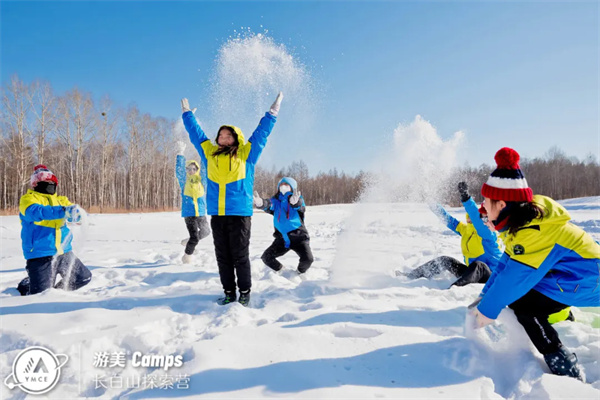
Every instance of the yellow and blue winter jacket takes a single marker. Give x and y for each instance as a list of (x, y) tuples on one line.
[(288, 219), (193, 200), (549, 255), (230, 178), (478, 242), (43, 228)]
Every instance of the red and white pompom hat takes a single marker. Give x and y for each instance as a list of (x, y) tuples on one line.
[(41, 173), (507, 182)]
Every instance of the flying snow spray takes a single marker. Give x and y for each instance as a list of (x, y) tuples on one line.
[(80, 225), (412, 170), (250, 69)]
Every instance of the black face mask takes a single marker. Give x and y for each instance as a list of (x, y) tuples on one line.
[(45, 187)]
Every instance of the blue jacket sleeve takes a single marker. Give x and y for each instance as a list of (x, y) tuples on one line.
[(180, 171), (446, 218), (495, 271), (259, 137), (38, 212), (482, 229), (268, 206), (204, 179), (197, 135), (512, 280)]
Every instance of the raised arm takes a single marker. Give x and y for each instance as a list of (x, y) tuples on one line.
[(482, 229), (180, 165), (259, 137), (451, 222), (197, 135), (262, 204), (204, 178)]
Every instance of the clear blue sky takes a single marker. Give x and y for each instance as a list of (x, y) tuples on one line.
[(524, 75)]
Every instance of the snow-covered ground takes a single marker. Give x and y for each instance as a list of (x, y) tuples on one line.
[(349, 329)]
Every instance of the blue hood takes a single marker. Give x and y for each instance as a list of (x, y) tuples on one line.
[(290, 181)]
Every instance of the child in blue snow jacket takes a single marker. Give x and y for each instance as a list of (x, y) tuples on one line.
[(548, 263), (46, 239), (193, 202), (229, 163), (479, 246), (287, 207)]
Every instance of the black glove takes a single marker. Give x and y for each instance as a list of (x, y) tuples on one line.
[(463, 189)]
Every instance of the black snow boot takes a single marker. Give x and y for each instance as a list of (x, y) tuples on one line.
[(23, 287), (563, 362), (229, 297), (244, 298)]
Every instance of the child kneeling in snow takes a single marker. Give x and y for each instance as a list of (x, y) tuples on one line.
[(287, 207), (46, 239), (478, 236)]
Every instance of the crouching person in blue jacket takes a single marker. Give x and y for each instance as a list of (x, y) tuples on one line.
[(287, 207), (46, 239), (548, 262)]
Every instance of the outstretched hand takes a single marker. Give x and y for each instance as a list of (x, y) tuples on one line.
[(463, 189), (181, 147), (480, 319), (185, 106), (436, 208), (276, 105), (295, 197), (258, 201), (73, 213)]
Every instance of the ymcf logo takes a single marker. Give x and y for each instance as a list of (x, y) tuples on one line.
[(36, 370)]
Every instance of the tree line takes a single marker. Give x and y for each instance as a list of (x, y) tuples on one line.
[(109, 158), (554, 174), (105, 157), (331, 187)]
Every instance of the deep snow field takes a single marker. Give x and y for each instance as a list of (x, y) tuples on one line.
[(349, 328)]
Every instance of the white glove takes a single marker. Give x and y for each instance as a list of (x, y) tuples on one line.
[(480, 319), (73, 213), (258, 201), (181, 147), (185, 106), (295, 197), (276, 104)]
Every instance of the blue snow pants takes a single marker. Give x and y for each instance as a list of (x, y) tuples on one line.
[(42, 273)]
